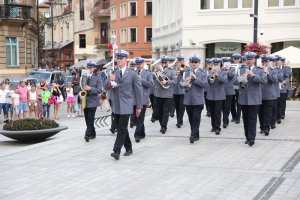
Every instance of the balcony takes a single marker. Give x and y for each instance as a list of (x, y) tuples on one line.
[(102, 40), (15, 11)]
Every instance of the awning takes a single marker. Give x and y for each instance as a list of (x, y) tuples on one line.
[(83, 63), (292, 56), (59, 45)]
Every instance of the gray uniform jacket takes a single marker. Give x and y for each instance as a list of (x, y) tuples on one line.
[(279, 78), (93, 99), (195, 96), (268, 89), (159, 91), (286, 72), (127, 93), (250, 94), (229, 85), (177, 89), (147, 83), (216, 90)]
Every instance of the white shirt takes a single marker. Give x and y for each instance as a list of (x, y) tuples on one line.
[(8, 96), (3, 96), (16, 99), (70, 92)]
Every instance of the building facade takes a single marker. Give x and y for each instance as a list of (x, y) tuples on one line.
[(18, 37), (131, 23), (221, 27)]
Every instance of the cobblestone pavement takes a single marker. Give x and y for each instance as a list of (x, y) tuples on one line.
[(161, 167)]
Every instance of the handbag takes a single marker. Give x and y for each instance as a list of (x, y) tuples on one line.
[(75, 108), (60, 99)]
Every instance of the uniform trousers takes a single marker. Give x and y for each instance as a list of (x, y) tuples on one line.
[(250, 120), (151, 97), (179, 106), (113, 121), (274, 112), (89, 116), (173, 108), (140, 128), (281, 105), (236, 107), (194, 115), (133, 116), (207, 104), (226, 108), (163, 106), (154, 109), (123, 134), (265, 114), (216, 110)]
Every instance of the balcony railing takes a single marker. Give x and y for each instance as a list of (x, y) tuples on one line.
[(15, 11), (101, 40)]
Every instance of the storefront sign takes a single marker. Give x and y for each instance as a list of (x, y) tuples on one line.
[(227, 48)]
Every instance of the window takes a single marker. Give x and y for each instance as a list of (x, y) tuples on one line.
[(247, 4), (123, 35), (148, 34), (82, 41), (273, 3), (148, 8), (113, 13), (123, 10), (205, 4), (219, 4), (233, 4), (12, 51), (81, 9), (132, 9), (132, 35), (289, 3)]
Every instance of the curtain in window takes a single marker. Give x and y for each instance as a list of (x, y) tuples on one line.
[(247, 3), (205, 4), (289, 3), (232, 3), (273, 3), (219, 4)]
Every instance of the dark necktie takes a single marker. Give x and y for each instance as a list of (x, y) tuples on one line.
[(139, 72), (121, 73)]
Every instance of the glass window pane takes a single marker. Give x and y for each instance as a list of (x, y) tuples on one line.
[(7, 40), (232, 3), (247, 3), (8, 55), (205, 4), (219, 4), (289, 3), (273, 3), (14, 55)]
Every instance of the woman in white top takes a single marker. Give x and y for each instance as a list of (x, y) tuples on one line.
[(70, 99), (32, 101)]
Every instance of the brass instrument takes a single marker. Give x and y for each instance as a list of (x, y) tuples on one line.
[(158, 72), (186, 83), (212, 76), (82, 84)]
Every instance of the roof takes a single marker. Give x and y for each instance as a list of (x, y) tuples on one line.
[(57, 45)]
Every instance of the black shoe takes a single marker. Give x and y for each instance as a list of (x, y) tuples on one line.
[(278, 121), (218, 132), (237, 122), (192, 139), (115, 155), (233, 120), (132, 125), (212, 130), (246, 142), (87, 138), (251, 142), (163, 130), (178, 125), (208, 114), (266, 132), (225, 125), (137, 139), (6, 121), (112, 130), (128, 153), (273, 126), (153, 120), (92, 137), (196, 139), (172, 115), (282, 117), (261, 132)]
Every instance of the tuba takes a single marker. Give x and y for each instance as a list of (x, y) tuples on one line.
[(158, 72), (82, 84)]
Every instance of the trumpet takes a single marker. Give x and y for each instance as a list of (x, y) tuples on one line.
[(212, 76), (180, 69)]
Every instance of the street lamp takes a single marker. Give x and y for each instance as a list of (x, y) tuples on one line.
[(255, 17)]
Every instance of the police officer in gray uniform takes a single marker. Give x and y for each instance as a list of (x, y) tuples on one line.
[(250, 78), (229, 89), (126, 88), (93, 89), (195, 83), (178, 94), (216, 94), (268, 96), (209, 64), (147, 82), (164, 95)]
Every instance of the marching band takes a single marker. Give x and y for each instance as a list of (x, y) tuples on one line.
[(226, 85)]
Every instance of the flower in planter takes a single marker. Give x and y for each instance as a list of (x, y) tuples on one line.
[(30, 124), (259, 49)]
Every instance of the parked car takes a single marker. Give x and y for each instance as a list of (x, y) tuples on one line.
[(69, 79), (49, 76), (33, 81), (14, 83)]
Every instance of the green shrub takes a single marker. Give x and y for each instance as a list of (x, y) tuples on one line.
[(30, 124)]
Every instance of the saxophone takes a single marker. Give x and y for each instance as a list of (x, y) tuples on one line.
[(82, 84)]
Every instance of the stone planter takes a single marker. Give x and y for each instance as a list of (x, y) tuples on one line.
[(32, 135)]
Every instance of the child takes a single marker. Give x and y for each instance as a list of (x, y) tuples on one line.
[(70, 99), (32, 101), (15, 99), (46, 94), (10, 110)]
